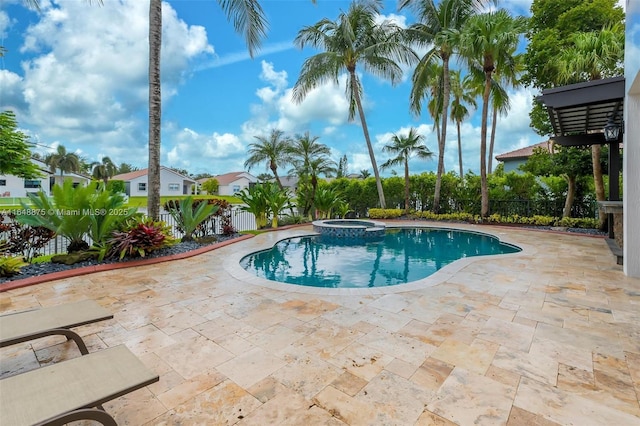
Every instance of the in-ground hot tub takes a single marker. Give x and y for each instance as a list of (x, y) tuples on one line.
[(349, 228)]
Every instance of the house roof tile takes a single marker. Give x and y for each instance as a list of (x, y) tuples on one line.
[(522, 153)]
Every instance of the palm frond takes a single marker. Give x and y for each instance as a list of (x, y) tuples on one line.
[(248, 19)]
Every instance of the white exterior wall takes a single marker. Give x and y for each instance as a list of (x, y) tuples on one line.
[(631, 153), (167, 178), (14, 186), (241, 182)]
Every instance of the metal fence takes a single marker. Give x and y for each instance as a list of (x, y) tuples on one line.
[(240, 220)]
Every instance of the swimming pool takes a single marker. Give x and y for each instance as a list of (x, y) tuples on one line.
[(403, 255)]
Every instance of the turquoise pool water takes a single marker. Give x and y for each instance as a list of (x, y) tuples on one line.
[(401, 256)]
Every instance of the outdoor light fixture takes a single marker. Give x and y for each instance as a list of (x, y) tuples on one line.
[(611, 130)]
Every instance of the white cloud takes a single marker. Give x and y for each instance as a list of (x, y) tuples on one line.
[(85, 82)]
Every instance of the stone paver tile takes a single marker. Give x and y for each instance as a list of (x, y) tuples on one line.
[(567, 408), (427, 418), (396, 345), (193, 358), (307, 375), (250, 367), (17, 359), (445, 326), (633, 362), (391, 303), (583, 339), (432, 374), (179, 321), (68, 350), (328, 341), (226, 403), (538, 367), (387, 320), (563, 353), (140, 341), (234, 343), (281, 407), (267, 389), (476, 357), (401, 368), (181, 391), (307, 310), (418, 330), (349, 384), (520, 417), (361, 360), (313, 416), (395, 400), (501, 375), (467, 398), (222, 325), (135, 408), (510, 334), (266, 314), (275, 338), (575, 379), (423, 309), (612, 377), (344, 407)]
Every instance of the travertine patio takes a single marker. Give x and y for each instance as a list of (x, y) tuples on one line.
[(547, 336)]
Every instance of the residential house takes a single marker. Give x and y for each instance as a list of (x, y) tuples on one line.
[(514, 159), (171, 182), (14, 186), (232, 183)]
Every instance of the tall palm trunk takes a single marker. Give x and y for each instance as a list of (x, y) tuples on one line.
[(446, 89), (459, 149), (155, 108), (598, 181), (406, 185), (493, 138), (274, 170), (484, 190), (365, 130)]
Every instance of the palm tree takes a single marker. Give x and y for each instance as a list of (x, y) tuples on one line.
[(353, 39), (364, 173), (104, 170), (592, 56), (248, 18), (462, 92), (310, 159), (406, 147), (64, 161), (440, 29), (488, 42), (273, 149)]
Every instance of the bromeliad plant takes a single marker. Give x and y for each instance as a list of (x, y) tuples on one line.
[(264, 200), (9, 265), (140, 237)]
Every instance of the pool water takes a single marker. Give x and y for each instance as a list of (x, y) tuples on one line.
[(401, 256)]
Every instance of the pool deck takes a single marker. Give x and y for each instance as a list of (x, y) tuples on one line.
[(547, 336)]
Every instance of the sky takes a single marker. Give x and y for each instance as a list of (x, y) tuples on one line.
[(76, 74)]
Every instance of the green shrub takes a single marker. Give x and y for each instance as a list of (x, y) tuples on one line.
[(578, 222), (385, 213), (140, 237), (11, 265), (116, 186)]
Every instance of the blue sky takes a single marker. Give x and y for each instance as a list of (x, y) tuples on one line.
[(76, 75)]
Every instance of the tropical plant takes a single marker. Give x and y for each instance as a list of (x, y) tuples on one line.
[(488, 42), (353, 39), (255, 202), (23, 239), (277, 200), (248, 18), (274, 150), (327, 201), (439, 29), (364, 173), (64, 161), (103, 170), (462, 95), (15, 150), (405, 147), (310, 160), (188, 217), (140, 236), (9, 265)]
